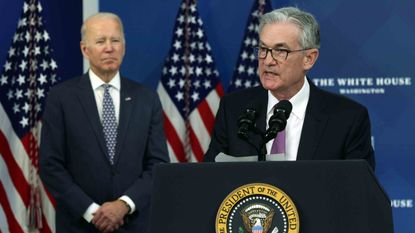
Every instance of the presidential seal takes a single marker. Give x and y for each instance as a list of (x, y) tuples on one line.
[(257, 208)]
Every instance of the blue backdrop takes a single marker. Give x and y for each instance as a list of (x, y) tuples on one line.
[(367, 53)]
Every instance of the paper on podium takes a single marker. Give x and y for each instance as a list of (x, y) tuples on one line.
[(222, 157)]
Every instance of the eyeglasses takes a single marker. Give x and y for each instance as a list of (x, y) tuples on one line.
[(279, 55)]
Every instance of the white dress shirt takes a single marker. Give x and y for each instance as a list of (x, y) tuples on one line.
[(294, 123), (114, 90)]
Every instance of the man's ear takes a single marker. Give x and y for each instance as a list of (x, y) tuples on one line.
[(310, 58), (83, 49)]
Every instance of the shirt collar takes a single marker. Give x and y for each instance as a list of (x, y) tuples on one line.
[(96, 82), (299, 101)]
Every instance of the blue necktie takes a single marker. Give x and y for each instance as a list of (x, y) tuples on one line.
[(109, 123)]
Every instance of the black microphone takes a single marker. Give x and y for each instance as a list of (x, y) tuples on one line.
[(246, 122), (278, 120)]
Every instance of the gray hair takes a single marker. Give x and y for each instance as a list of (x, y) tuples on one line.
[(308, 25), (102, 15)]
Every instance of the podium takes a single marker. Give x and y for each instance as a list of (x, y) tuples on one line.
[(341, 196)]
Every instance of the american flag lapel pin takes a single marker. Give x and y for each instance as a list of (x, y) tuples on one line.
[(127, 98)]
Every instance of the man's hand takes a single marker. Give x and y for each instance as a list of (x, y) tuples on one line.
[(110, 216)]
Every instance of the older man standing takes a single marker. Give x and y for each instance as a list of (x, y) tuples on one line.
[(102, 134)]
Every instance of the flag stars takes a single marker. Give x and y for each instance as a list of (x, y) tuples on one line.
[(38, 107), (193, 8), (208, 71), (179, 96), (199, 71), (10, 95), (3, 80), (7, 66), (201, 46), (171, 83), (200, 33), (12, 52), (28, 93), (177, 45), (21, 80), (175, 57), (173, 70), (241, 69), (16, 37), (33, 65), (39, 7), (192, 58), (40, 93), (181, 83), (46, 50), (195, 96), (244, 55), (179, 32), (16, 108), (180, 19), (25, 7), (193, 45), (248, 84), (27, 36), (207, 84), (199, 59), (32, 22), (200, 22), (44, 65), (238, 82), (52, 64), (38, 36), (196, 84), (26, 107), (23, 65), (24, 122), (42, 79), (19, 94), (32, 7), (26, 51), (208, 59), (22, 23), (46, 36), (247, 42)]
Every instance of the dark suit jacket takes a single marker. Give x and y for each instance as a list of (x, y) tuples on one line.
[(335, 127), (74, 163)]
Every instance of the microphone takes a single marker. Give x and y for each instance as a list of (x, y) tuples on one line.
[(278, 120), (246, 122)]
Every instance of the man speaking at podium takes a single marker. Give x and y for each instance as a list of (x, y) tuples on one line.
[(321, 126)]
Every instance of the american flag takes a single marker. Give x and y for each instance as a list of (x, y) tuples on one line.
[(189, 88), (25, 80), (245, 72)]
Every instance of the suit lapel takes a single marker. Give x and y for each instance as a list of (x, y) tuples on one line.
[(126, 102), (87, 100), (314, 124)]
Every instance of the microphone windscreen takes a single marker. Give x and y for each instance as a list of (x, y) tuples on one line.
[(284, 105)]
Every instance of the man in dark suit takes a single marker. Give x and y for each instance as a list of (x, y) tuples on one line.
[(102, 134), (321, 125)]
